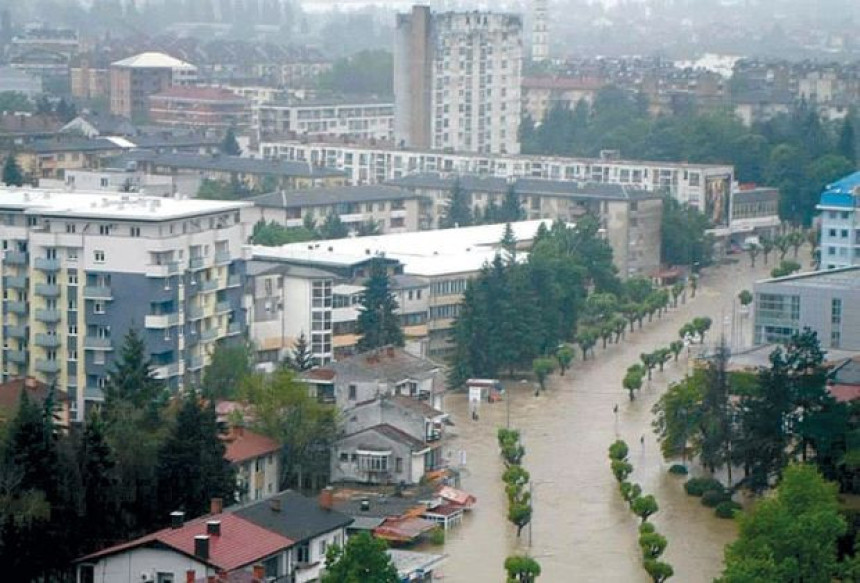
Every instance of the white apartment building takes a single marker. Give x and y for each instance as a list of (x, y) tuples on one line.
[(357, 119), (840, 224), (79, 270), (457, 80), (705, 186)]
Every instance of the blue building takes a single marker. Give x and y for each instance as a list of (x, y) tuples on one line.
[(840, 224)]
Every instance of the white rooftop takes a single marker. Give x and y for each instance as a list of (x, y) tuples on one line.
[(154, 60), (108, 205), (427, 253)]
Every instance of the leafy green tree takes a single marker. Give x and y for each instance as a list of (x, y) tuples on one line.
[(281, 408), (362, 560), (677, 415), (701, 326), (785, 268), (644, 507), (677, 290), (543, 367), (458, 212), (564, 355), (220, 190), (621, 469), (12, 173), (676, 347), (649, 361), (767, 246), (618, 450), (662, 356), (519, 508), (586, 339), (522, 569), (333, 227), (366, 72), (715, 427), (274, 235), (15, 102), (229, 145), (745, 297), (847, 144), (378, 323), (515, 475), (753, 251), (658, 570), (632, 381), (191, 465), (652, 544), (790, 536), (684, 241), (369, 228), (231, 363)]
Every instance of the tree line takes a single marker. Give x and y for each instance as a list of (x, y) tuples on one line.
[(797, 152)]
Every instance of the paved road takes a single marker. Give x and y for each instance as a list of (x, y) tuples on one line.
[(583, 531)]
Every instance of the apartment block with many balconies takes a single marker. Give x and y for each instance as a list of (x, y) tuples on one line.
[(81, 270)]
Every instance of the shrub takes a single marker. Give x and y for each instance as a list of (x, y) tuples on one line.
[(727, 509), (437, 536), (712, 498), (698, 486), (618, 450), (678, 470), (621, 469), (646, 528)]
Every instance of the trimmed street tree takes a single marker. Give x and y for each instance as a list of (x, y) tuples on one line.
[(632, 381), (543, 367), (378, 323), (564, 355), (521, 569), (644, 506)]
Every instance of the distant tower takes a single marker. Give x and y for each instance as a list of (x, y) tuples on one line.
[(540, 34)]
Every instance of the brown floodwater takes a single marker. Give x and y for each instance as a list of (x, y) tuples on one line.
[(582, 530)]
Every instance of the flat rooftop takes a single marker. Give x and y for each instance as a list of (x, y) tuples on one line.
[(847, 278), (423, 253), (107, 205)]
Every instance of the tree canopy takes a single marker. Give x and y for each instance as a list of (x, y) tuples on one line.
[(362, 560)]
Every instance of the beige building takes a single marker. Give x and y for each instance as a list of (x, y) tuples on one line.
[(391, 209), (631, 217), (133, 80), (540, 94), (89, 83)]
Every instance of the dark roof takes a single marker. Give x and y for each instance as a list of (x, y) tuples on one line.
[(417, 406), (104, 144), (333, 195), (847, 373), (11, 391), (263, 267), (405, 281), (72, 145), (298, 519), (391, 365), (526, 186), (105, 124), (380, 506), (394, 434), (756, 195), (222, 163)]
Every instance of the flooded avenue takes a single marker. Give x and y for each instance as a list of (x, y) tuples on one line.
[(582, 529)]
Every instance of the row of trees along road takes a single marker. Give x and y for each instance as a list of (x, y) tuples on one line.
[(67, 492), (516, 315), (797, 152)]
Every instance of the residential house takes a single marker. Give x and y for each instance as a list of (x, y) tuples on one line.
[(389, 440), (94, 125), (257, 460), (199, 107)]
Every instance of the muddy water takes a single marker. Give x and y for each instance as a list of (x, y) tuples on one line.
[(582, 529)]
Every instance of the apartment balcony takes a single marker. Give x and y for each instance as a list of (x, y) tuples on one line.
[(96, 343), (209, 335), (290, 223), (15, 258), (399, 214), (234, 328), (161, 321), (19, 308), (47, 366), (194, 312), (47, 340), (168, 370), (353, 218), (48, 316), (209, 285), (16, 281), (47, 290), (16, 331), (16, 356), (45, 264), (223, 307), (234, 280), (195, 363), (94, 394), (197, 263), (98, 292), (162, 269), (222, 258)]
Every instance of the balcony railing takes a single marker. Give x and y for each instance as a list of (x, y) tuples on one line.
[(47, 290), (222, 257), (234, 328), (46, 264), (97, 343), (195, 363), (98, 292), (48, 316), (16, 281), (167, 370), (16, 331), (197, 262), (15, 258), (47, 340), (160, 321), (47, 366), (209, 335), (208, 285), (194, 312), (162, 269), (234, 280), (223, 307), (19, 308), (16, 356)]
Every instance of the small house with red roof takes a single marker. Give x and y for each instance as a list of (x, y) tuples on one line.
[(257, 460)]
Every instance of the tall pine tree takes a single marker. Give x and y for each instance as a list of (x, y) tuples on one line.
[(512, 209), (100, 504), (301, 359), (229, 145), (847, 146), (458, 213), (12, 174), (378, 323), (131, 376)]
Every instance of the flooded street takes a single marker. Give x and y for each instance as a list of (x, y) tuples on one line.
[(582, 529)]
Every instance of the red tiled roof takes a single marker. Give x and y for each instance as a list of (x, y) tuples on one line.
[(456, 496), (240, 543), (10, 393), (844, 393), (320, 374), (403, 529), (198, 93), (247, 445)]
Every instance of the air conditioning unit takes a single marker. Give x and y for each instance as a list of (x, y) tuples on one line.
[(147, 576)]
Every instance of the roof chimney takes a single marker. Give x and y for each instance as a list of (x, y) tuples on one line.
[(177, 519), (326, 498), (389, 350), (275, 504), (259, 573), (213, 527), (190, 576), (201, 546), (216, 506)]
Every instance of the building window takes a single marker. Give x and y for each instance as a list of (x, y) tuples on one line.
[(135, 231), (104, 229), (71, 227), (98, 307), (398, 465), (323, 545), (303, 553), (99, 256), (73, 329), (836, 311), (72, 254), (73, 354), (352, 392)]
